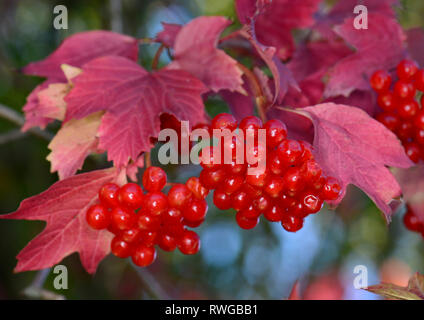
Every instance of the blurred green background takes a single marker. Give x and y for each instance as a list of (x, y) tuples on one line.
[(262, 263)]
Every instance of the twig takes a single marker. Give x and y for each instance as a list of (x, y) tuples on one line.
[(157, 56), (14, 117), (12, 136), (147, 159), (155, 289), (35, 289)]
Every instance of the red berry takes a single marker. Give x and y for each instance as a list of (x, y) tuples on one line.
[(411, 221), (211, 179), (404, 90), (240, 200), (174, 229), (131, 195), (380, 80), (179, 196), (292, 223), (331, 189), (123, 218), (386, 100), (406, 69), (108, 195), (120, 248), (274, 213), (235, 168), (132, 235), (293, 180), (148, 222), (155, 203), (256, 180), (413, 151), (311, 170), (154, 179), (408, 109), (194, 185), (232, 184), (172, 216), (419, 119), (210, 158), (250, 212), (193, 224), (196, 210), (224, 121), (419, 137), (311, 203), (144, 256), (419, 80), (245, 222), (98, 217), (405, 130), (274, 164), (251, 123), (389, 120), (221, 199), (276, 132), (260, 204), (251, 191), (290, 152), (148, 238), (167, 242), (189, 243), (274, 186)]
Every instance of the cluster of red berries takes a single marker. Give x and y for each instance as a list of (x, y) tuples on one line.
[(412, 222), (291, 187), (401, 111), (142, 220)]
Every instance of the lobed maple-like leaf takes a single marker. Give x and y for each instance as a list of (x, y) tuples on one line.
[(414, 290), (169, 33), (378, 47), (82, 47), (276, 19), (72, 144), (196, 51), (412, 183), (355, 148), (133, 100), (63, 207)]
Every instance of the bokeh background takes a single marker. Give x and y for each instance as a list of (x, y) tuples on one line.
[(233, 264)]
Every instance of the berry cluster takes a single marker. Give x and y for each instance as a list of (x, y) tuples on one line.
[(140, 221), (291, 187), (401, 111), (412, 222)]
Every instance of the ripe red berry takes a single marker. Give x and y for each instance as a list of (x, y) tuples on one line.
[(419, 120), (404, 90), (148, 222), (194, 185), (412, 222), (131, 195), (408, 109), (155, 203), (210, 158), (232, 184), (276, 132), (123, 218), (131, 236), (108, 195), (120, 248), (380, 80), (250, 123), (292, 223), (413, 151), (406, 69), (98, 217), (240, 200), (196, 210), (274, 213), (331, 189), (224, 121), (260, 204), (274, 164), (221, 199), (245, 222), (154, 179), (144, 256), (171, 216), (257, 180), (179, 196), (293, 180), (189, 243), (148, 238), (419, 137), (290, 152), (235, 168), (167, 242), (193, 224), (387, 101), (311, 203), (405, 130), (419, 80), (389, 120), (211, 179), (311, 170), (274, 186)]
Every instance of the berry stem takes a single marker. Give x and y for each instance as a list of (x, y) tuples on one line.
[(150, 283), (147, 159), (157, 56)]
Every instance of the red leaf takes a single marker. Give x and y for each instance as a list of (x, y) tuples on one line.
[(169, 34), (412, 183), (414, 290), (196, 52), (295, 292), (134, 100), (378, 47), (355, 148), (82, 47), (63, 207), (416, 44), (276, 19)]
